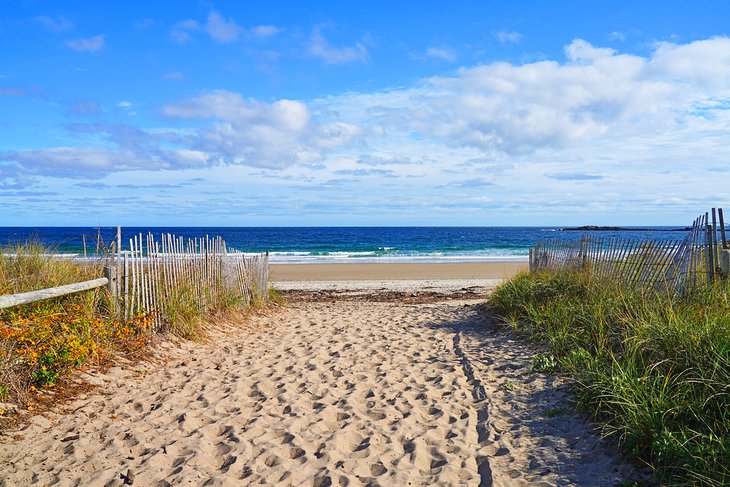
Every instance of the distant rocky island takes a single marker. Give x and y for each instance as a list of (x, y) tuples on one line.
[(595, 228)]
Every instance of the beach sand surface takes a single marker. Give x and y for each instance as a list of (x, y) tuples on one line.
[(342, 393), (395, 271)]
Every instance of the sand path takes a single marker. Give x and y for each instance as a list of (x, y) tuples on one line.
[(341, 393)]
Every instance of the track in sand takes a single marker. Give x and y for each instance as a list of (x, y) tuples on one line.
[(325, 393)]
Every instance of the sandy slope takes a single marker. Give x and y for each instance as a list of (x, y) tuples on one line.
[(340, 393)]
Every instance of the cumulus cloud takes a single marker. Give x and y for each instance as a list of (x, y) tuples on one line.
[(220, 29), (320, 47), (517, 109), (89, 44), (443, 53), (704, 63), (127, 148), (595, 112), (582, 51), (258, 134)]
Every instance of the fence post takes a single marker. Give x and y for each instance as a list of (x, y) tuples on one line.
[(110, 273)]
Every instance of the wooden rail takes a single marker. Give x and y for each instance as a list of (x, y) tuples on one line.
[(11, 300)]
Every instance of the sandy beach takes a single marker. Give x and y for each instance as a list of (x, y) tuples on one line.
[(475, 278), (335, 392), (395, 271)]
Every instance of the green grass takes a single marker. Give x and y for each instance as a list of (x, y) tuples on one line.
[(652, 368)]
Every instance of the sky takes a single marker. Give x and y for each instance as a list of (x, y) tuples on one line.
[(485, 113)]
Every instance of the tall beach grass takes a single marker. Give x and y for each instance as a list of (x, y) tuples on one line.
[(41, 342), (652, 367)]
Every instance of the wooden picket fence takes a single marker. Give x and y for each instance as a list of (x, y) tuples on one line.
[(654, 264), (157, 273)]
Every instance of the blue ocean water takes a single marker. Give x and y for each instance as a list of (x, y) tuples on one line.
[(344, 244)]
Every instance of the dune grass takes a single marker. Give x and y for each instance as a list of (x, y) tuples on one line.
[(43, 341), (653, 368)]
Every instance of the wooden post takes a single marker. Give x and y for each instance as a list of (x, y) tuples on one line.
[(118, 260), (722, 228), (715, 250), (126, 287), (110, 273), (708, 250)]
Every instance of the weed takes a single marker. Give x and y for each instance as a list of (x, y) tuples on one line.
[(544, 362), (556, 411), (276, 296)]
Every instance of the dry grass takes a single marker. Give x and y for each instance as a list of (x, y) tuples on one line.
[(42, 342)]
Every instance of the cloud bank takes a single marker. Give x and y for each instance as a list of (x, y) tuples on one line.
[(595, 103)]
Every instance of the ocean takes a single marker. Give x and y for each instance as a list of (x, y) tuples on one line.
[(298, 245)]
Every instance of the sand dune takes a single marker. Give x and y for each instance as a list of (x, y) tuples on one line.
[(329, 393)]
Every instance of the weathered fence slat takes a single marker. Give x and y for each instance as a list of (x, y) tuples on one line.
[(677, 264), (11, 300), (155, 272)]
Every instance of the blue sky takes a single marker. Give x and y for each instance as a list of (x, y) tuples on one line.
[(367, 113)]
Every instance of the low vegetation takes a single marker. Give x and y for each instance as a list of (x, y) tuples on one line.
[(41, 342), (653, 368)]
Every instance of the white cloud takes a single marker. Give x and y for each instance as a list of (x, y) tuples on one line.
[(264, 31), (441, 53), (57, 25), (617, 36), (580, 50), (705, 63), (508, 37), (221, 30), (587, 133), (76, 162), (320, 47), (254, 133), (89, 44), (124, 104), (180, 32)]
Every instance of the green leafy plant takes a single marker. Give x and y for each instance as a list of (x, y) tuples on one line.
[(544, 362)]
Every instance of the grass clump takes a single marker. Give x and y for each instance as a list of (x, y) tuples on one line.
[(652, 367), (41, 341)]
